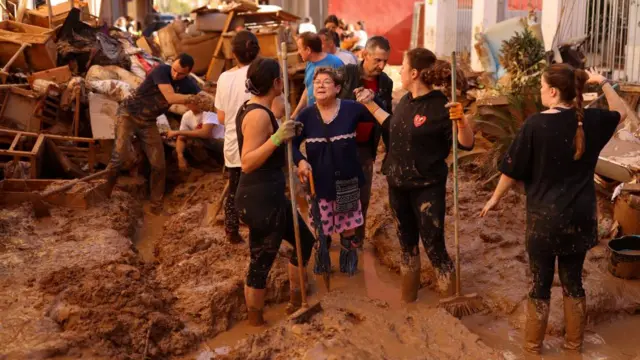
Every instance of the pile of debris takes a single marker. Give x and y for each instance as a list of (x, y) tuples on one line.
[(62, 78)]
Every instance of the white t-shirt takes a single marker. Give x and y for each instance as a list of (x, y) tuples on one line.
[(230, 96), (362, 35), (347, 57), (191, 121), (306, 27)]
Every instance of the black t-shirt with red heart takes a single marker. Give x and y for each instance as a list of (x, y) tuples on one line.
[(420, 139)]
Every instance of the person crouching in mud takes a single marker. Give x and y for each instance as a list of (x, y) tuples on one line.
[(555, 155), (420, 137), (332, 159), (260, 198)]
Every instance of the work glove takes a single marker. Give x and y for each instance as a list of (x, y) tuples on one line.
[(287, 131)]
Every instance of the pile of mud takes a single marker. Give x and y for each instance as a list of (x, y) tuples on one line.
[(356, 327), (494, 259), (202, 269), (72, 284)]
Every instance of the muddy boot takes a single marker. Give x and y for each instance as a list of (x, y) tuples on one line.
[(575, 318), (255, 316), (234, 238), (410, 270), (536, 325), (446, 283), (295, 301)]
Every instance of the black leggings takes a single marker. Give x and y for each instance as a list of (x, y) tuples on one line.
[(569, 269), (420, 213), (267, 213), (231, 223)]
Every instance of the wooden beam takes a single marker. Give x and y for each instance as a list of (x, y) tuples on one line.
[(15, 142), (22, 8), (38, 144), (16, 153), (214, 65), (50, 11)]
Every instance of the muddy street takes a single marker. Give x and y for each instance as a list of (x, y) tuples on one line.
[(114, 282)]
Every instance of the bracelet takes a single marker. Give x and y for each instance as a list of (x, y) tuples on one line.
[(605, 82)]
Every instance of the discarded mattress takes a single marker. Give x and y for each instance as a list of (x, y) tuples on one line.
[(619, 160)]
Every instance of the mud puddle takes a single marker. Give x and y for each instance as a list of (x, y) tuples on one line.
[(373, 280), (606, 341), (151, 229)]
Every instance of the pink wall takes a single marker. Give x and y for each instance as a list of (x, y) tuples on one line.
[(391, 19)]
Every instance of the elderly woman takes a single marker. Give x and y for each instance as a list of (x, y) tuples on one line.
[(420, 140), (332, 157), (555, 156)]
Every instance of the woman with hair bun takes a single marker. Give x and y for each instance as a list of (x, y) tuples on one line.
[(555, 155), (420, 138), (260, 198), (230, 96)]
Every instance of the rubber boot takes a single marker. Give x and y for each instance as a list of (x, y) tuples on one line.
[(446, 283), (575, 316), (256, 317), (255, 305), (410, 269), (295, 301), (536, 325)]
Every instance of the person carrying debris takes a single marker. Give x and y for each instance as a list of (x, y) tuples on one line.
[(331, 45), (420, 132), (261, 198), (230, 95), (369, 74), (310, 50), (555, 155), (199, 130), (332, 158), (164, 86)]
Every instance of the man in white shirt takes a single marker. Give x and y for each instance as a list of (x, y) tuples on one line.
[(306, 26), (331, 45), (199, 130)]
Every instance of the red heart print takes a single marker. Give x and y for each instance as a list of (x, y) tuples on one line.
[(419, 120)]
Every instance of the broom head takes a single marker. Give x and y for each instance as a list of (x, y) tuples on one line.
[(462, 305)]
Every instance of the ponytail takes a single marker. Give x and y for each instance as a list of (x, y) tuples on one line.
[(570, 82), (581, 78)]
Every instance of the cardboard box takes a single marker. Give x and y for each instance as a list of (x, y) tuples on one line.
[(102, 113)]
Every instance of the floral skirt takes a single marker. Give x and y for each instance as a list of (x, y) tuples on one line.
[(337, 222)]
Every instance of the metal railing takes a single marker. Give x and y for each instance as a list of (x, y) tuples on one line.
[(614, 38)]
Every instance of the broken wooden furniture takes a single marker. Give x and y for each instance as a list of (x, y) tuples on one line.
[(68, 147), (14, 192), (28, 111), (41, 53), (40, 16)]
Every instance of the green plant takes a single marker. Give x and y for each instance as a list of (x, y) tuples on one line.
[(500, 125), (523, 58)]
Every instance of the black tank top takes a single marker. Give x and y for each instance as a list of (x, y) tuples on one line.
[(277, 160)]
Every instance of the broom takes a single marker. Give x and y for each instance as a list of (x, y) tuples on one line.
[(458, 305)]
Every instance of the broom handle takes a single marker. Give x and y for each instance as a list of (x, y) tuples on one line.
[(294, 207), (456, 217)]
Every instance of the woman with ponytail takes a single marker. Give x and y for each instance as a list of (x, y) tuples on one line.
[(261, 199), (555, 155), (420, 140)]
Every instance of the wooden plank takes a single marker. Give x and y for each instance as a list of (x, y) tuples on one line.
[(14, 142), (22, 8), (215, 65), (58, 75), (15, 153), (38, 145), (73, 149), (92, 157)]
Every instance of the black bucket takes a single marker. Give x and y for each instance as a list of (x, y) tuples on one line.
[(624, 261)]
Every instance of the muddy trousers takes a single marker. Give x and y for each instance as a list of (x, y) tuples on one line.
[(366, 161), (152, 146), (231, 222), (420, 214), (264, 245), (570, 271)]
